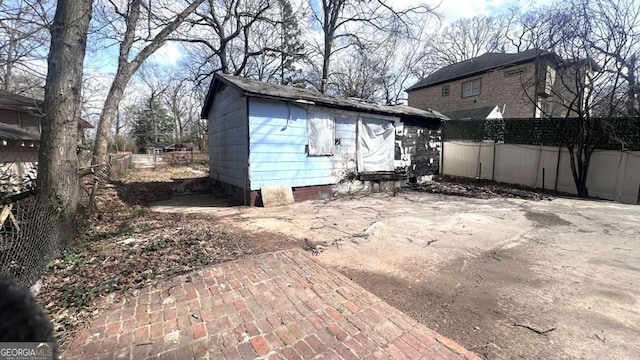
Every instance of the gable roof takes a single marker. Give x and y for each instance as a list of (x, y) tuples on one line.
[(479, 65), (266, 90), (477, 113), (11, 101)]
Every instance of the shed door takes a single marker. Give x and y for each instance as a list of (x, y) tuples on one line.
[(376, 141)]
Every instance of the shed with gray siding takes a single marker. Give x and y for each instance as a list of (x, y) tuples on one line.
[(265, 135)]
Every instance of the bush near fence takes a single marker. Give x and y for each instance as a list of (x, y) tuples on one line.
[(609, 133)]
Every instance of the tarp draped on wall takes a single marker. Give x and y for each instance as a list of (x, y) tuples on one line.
[(321, 130), (376, 145)]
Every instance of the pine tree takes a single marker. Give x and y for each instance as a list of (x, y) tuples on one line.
[(152, 124), (291, 47)]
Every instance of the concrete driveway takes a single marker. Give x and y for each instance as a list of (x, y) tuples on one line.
[(507, 278)]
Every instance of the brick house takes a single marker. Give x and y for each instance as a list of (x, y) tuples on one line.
[(522, 85)]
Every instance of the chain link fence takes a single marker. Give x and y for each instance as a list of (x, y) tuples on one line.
[(29, 239), (31, 235)]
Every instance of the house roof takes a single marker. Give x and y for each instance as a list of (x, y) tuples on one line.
[(11, 101), (10, 132), (478, 65), (304, 96), (477, 113)]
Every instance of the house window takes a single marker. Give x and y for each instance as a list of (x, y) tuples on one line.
[(513, 72), (471, 88), (543, 109), (445, 90), (321, 133), (29, 122)]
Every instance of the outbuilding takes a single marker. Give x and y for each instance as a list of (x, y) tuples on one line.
[(265, 136)]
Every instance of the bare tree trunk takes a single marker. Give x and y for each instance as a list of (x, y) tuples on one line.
[(127, 68), (8, 76), (58, 160), (109, 112)]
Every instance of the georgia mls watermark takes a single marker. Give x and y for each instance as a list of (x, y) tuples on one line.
[(26, 351)]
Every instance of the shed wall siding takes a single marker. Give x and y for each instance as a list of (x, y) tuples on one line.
[(228, 138), (278, 154)]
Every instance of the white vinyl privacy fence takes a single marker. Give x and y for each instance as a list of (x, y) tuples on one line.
[(613, 175)]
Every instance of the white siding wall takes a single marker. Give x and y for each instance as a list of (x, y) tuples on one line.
[(278, 139), (613, 175), (228, 138)]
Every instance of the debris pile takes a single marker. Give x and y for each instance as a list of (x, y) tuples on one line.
[(480, 189)]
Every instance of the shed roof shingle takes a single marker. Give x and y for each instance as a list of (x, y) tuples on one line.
[(305, 96)]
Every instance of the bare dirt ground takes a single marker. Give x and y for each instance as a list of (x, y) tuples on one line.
[(506, 277)]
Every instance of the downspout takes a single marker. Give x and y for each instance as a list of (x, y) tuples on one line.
[(535, 86)]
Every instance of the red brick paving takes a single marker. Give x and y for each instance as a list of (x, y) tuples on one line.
[(282, 305)]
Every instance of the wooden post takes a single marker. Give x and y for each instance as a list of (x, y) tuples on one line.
[(555, 186), (542, 179), (493, 165)]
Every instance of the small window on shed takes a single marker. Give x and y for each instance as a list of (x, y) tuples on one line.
[(321, 131), (445, 90)]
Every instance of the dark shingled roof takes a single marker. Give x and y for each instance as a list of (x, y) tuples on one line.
[(477, 113), (10, 132), (304, 96), (478, 65), (11, 101)]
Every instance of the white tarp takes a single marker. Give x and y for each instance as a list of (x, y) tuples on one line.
[(376, 145), (321, 133)]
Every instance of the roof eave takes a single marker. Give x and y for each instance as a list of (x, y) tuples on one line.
[(319, 102)]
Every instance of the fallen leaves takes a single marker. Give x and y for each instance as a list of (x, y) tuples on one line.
[(125, 247)]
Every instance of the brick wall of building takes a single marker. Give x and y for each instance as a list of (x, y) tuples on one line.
[(496, 89), (312, 193)]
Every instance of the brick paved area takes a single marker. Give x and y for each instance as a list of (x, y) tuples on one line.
[(282, 305)]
